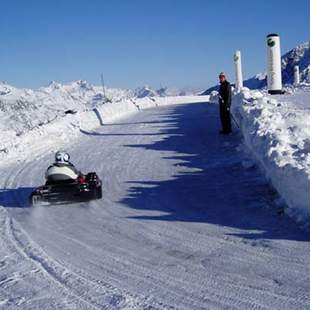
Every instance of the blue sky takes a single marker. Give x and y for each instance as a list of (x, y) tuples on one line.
[(164, 42)]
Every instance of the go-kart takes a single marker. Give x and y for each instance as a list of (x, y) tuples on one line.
[(84, 188)]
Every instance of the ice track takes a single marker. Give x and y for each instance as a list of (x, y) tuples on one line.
[(185, 223)]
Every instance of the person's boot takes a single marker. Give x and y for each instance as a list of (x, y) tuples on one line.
[(225, 132)]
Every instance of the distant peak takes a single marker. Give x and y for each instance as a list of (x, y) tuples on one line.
[(81, 84), (54, 84)]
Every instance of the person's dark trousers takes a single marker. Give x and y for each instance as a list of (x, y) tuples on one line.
[(225, 117)]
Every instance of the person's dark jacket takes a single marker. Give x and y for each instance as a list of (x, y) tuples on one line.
[(225, 93)]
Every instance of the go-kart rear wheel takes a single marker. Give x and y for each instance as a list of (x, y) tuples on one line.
[(98, 192)]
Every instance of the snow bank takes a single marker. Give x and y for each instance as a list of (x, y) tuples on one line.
[(276, 130), (23, 110), (34, 121)]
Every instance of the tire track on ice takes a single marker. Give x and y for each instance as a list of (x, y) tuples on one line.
[(46, 264), (217, 279), (75, 283), (30, 255)]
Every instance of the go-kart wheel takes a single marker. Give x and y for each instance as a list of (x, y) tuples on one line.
[(98, 192), (35, 200)]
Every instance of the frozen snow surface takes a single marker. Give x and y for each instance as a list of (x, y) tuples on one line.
[(187, 220), (277, 131)]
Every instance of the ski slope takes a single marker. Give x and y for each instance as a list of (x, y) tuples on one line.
[(186, 222)]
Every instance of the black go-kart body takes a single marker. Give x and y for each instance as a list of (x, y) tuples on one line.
[(82, 189)]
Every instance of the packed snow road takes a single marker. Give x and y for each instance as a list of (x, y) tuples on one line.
[(186, 222)]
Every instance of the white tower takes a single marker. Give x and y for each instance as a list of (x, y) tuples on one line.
[(238, 70), (296, 75), (274, 75)]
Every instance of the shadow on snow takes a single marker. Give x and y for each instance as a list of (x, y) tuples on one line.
[(16, 198), (217, 188)]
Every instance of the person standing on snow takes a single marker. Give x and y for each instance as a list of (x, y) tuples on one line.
[(225, 102)]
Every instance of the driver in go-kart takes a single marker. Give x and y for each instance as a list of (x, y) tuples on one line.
[(62, 171)]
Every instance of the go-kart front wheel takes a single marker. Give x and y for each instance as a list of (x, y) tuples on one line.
[(36, 200)]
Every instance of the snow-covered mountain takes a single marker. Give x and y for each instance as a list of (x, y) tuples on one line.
[(73, 93), (84, 92), (23, 109), (299, 55), (258, 81), (147, 91)]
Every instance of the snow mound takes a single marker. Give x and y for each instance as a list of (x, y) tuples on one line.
[(277, 131)]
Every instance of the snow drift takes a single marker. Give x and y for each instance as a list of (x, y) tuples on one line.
[(277, 132)]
